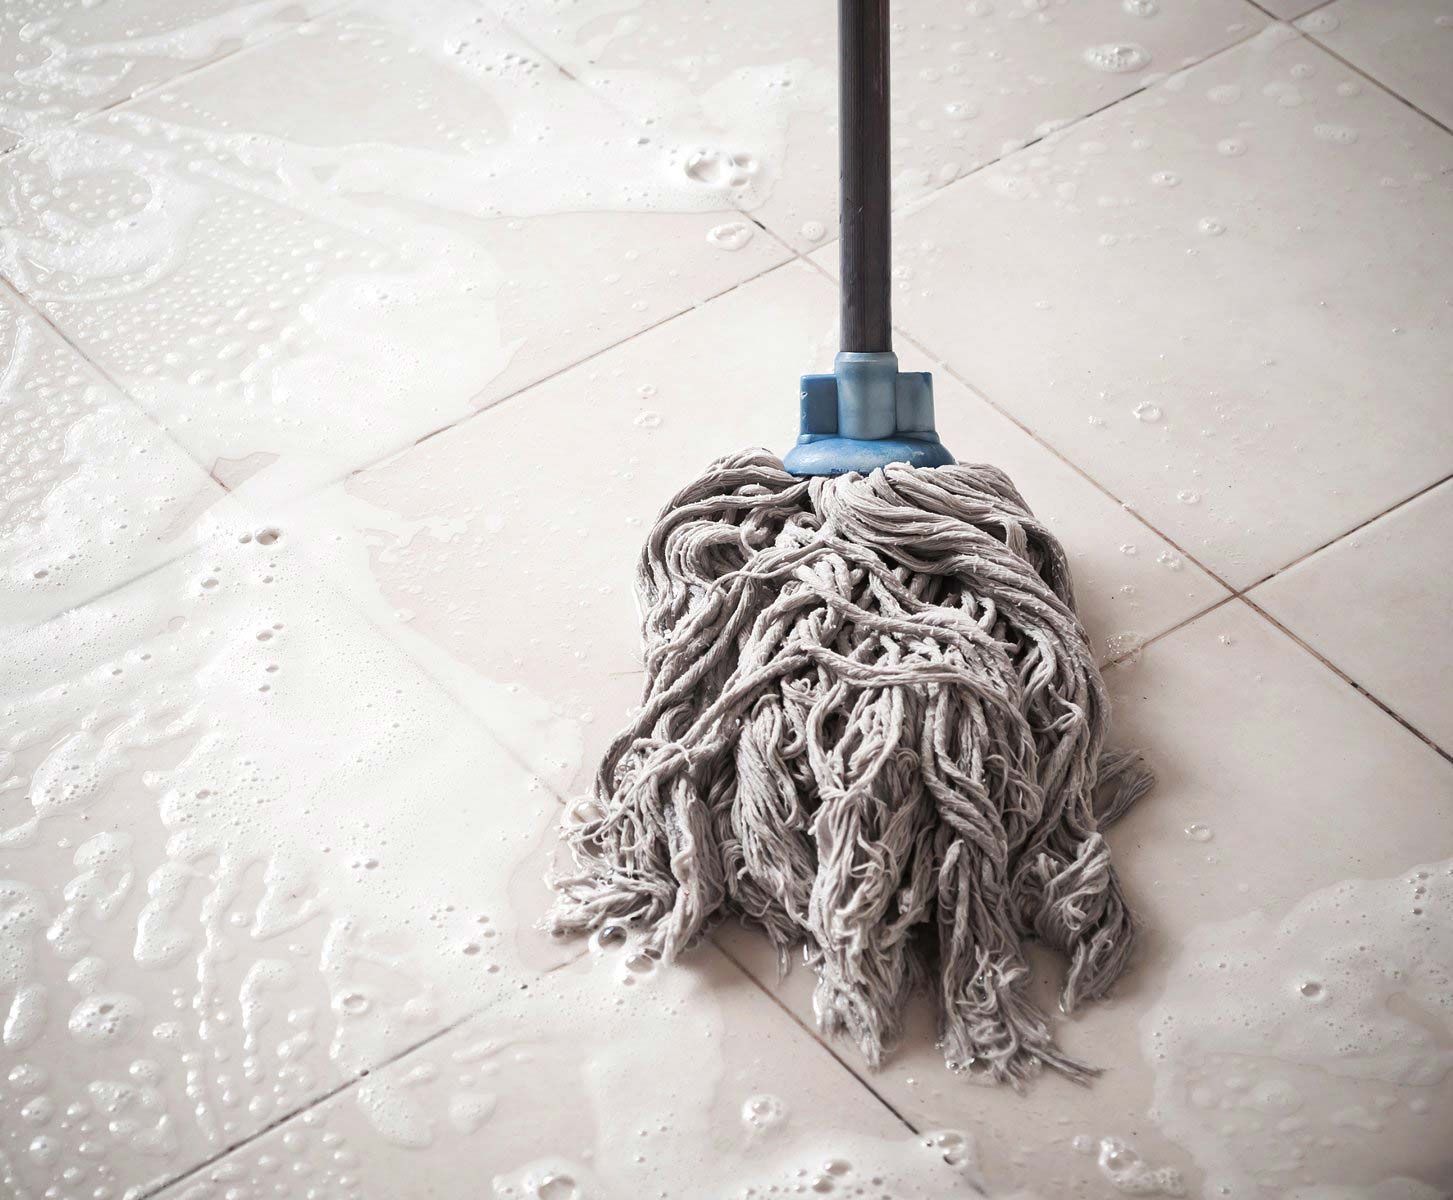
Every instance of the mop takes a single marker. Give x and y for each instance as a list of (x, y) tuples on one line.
[(872, 723)]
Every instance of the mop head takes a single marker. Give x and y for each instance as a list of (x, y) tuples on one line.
[(872, 725)]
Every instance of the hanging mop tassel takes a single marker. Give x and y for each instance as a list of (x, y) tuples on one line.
[(872, 725)]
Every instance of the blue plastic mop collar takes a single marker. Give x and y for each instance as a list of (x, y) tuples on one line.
[(864, 415)]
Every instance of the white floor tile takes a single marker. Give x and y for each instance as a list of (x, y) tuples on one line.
[(1406, 45), (58, 62), (754, 84), (249, 850), (1376, 605), (1301, 783), (1223, 298), (644, 1099), (92, 492), (317, 252), (524, 586)]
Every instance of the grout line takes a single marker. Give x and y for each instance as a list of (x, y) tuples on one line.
[(1069, 462), (981, 395), (287, 30), (912, 202), (173, 1181), (939, 360), (1346, 533), (8, 285), (1347, 679), (1372, 79), (562, 370), (1260, 6), (816, 1037), (1135, 650)]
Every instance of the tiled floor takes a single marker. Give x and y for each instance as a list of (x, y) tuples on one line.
[(347, 351)]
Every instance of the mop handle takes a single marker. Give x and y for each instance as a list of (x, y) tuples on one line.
[(865, 245), (867, 414)]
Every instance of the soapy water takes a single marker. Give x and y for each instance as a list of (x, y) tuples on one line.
[(1123, 1168), (65, 66), (357, 277), (161, 952), (1312, 1050)]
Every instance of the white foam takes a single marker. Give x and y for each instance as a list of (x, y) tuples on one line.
[(1305, 1051)]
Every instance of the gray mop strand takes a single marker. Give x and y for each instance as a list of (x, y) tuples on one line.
[(872, 725)]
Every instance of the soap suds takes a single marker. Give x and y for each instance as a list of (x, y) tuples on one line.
[(1309, 1050)]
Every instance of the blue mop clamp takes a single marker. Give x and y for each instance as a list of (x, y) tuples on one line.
[(865, 415)]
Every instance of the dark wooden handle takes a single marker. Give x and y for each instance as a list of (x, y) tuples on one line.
[(866, 240)]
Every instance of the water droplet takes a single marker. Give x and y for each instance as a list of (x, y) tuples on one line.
[(1140, 8), (813, 231), (731, 236), (1117, 58), (1198, 832), (647, 419), (557, 1187), (717, 168), (763, 1112), (352, 1003), (1341, 135), (1186, 496), (1210, 226), (1231, 147), (1146, 411)]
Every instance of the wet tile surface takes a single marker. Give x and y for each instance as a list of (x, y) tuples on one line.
[(970, 81), (59, 61), (94, 492), (1374, 604), (178, 973), (514, 1103), (1233, 279), (286, 278), (288, 720), (1405, 46)]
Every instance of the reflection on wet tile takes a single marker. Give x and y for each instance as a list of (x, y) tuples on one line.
[(752, 85), (1376, 604), (529, 582), (316, 253), (59, 61), (92, 492), (1223, 299)]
